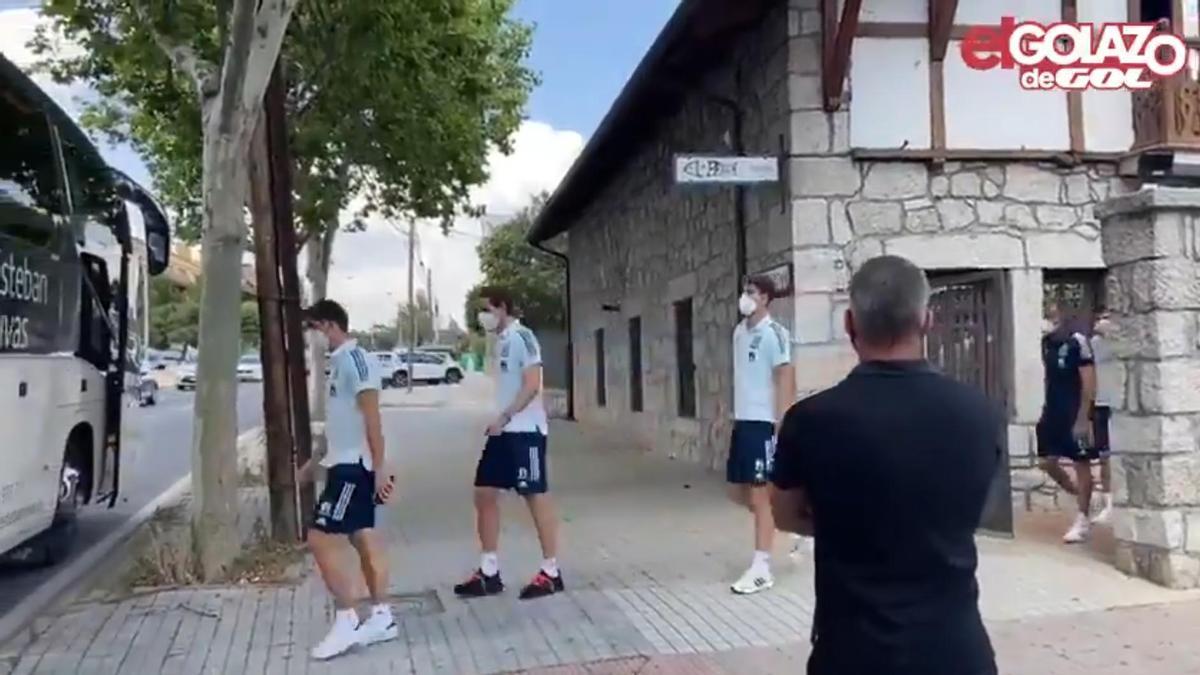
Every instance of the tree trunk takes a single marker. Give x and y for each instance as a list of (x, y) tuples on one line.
[(281, 475), (214, 436), (320, 251)]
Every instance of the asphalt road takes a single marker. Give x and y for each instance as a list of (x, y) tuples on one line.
[(159, 458)]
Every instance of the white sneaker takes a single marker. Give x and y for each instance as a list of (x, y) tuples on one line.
[(341, 637), (1079, 530), (753, 581), (801, 544), (1105, 514), (379, 627)]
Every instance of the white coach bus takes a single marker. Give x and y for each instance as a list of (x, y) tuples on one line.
[(71, 288)]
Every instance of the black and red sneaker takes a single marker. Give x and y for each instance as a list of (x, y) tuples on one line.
[(479, 585), (542, 585)]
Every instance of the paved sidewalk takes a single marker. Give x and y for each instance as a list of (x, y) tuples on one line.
[(650, 546)]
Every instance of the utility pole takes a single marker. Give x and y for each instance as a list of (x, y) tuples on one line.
[(432, 306), (412, 305)]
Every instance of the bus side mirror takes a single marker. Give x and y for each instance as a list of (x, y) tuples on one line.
[(158, 228)]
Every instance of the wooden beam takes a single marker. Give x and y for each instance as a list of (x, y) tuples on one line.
[(937, 105), (1064, 157), (908, 29), (838, 61), (1070, 14), (941, 21)]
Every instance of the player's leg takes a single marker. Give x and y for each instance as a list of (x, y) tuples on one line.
[(492, 474), (529, 452)]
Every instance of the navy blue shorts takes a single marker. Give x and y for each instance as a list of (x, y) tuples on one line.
[(751, 453), (514, 461), (347, 504), (1057, 439)]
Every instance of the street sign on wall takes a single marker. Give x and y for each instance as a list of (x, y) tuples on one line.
[(699, 169)]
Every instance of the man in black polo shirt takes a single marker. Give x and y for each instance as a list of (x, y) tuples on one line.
[(889, 470)]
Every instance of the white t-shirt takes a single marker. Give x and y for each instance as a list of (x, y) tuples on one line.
[(519, 350), (757, 351), (1108, 384), (351, 371)]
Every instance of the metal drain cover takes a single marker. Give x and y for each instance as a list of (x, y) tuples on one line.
[(423, 603)]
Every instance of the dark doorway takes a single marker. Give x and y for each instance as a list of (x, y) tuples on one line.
[(968, 341)]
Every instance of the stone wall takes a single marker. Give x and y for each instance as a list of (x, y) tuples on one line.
[(645, 243), (1152, 243), (1019, 216)]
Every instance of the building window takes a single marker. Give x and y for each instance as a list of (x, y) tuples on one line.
[(684, 363), (635, 364), (601, 385), (1076, 293)]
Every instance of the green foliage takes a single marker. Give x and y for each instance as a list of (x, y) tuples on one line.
[(175, 315), (535, 278), (397, 100)]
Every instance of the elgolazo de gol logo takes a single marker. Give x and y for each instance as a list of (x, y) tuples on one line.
[(1076, 56)]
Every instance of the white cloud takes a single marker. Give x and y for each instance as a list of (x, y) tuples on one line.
[(370, 269)]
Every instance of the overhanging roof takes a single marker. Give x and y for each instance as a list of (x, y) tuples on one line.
[(695, 39)]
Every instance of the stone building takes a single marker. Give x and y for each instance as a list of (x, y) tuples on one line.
[(888, 143)]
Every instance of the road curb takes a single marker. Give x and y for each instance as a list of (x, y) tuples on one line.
[(90, 561)]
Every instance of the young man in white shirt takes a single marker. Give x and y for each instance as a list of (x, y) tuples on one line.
[(1108, 394), (514, 455), (356, 482), (763, 388)]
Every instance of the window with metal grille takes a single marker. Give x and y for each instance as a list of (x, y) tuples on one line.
[(685, 364), (601, 385), (1076, 293), (635, 364)]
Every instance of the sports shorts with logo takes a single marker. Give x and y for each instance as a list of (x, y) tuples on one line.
[(1101, 415), (347, 504), (514, 460), (1056, 438), (751, 453)]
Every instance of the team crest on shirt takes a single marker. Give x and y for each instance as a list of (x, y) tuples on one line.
[(504, 366), (753, 356)]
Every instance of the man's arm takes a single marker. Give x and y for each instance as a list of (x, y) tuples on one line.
[(531, 385), (789, 500), (368, 403), (792, 510), (1087, 382), (785, 391)]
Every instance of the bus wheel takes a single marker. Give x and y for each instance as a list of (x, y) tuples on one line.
[(58, 539)]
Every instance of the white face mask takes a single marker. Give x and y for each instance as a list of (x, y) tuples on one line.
[(746, 304), (1047, 326), (489, 321), (1104, 326)]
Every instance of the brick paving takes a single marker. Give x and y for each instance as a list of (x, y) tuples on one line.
[(650, 546)]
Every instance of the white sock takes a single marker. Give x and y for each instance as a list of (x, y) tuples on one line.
[(346, 616), (489, 564), (762, 561), (550, 566)]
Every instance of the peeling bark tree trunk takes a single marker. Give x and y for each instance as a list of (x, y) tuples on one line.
[(320, 251), (231, 97), (214, 436)]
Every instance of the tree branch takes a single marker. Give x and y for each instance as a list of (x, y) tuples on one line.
[(182, 56), (238, 53), (270, 25)]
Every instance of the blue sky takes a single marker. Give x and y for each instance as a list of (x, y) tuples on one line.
[(585, 50)]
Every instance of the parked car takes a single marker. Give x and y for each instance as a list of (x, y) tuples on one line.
[(187, 376), (387, 367), (249, 368), (427, 367)]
